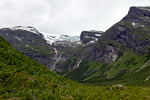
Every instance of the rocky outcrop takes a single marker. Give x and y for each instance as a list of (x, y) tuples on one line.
[(88, 37), (105, 54)]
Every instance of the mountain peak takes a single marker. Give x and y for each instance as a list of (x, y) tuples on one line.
[(141, 7), (139, 10), (144, 8), (138, 15), (26, 28)]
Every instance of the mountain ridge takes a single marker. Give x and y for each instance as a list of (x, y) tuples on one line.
[(54, 51), (120, 51)]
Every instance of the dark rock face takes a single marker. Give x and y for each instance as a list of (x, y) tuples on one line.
[(139, 14), (90, 36), (132, 32), (105, 54)]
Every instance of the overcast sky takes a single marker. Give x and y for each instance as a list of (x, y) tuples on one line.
[(65, 16)]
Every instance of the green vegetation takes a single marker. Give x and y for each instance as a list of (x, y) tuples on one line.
[(69, 62), (127, 63), (22, 78), (127, 68), (86, 69)]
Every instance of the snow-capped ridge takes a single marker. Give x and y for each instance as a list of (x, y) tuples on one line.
[(26, 28), (53, 38)]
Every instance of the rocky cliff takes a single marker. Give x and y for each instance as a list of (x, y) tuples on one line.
[(89, 37)]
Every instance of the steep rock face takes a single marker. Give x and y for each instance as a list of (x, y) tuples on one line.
[(132, 32), (105, 54), (88, 37)]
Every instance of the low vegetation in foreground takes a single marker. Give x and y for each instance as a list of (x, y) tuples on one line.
[(22, 78)]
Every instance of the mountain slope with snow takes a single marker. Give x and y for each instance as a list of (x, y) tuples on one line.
[(59, 53), (25, 28), (54, 39)]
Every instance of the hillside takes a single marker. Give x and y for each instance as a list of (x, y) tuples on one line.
[(21, 78)]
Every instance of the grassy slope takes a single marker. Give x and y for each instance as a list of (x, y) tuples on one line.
[(22, 78), (129, 69), (128, 63)]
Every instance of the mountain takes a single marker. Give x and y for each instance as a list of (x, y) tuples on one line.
[(59, 53), (132, 32), (21, 78), (122, 53)]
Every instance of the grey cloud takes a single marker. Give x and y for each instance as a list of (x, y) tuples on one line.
[(65, 16)]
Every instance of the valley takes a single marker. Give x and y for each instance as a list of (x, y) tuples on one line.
[(110, 65)]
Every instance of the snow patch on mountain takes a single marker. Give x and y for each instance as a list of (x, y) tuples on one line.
[(18, 38), (50, 38), (133, 24), (53, 38), (26, 28)]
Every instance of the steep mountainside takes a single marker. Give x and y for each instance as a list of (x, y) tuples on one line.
[(122, 52), (59, 53), (132, 32), (30, 42), (22, 78)]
